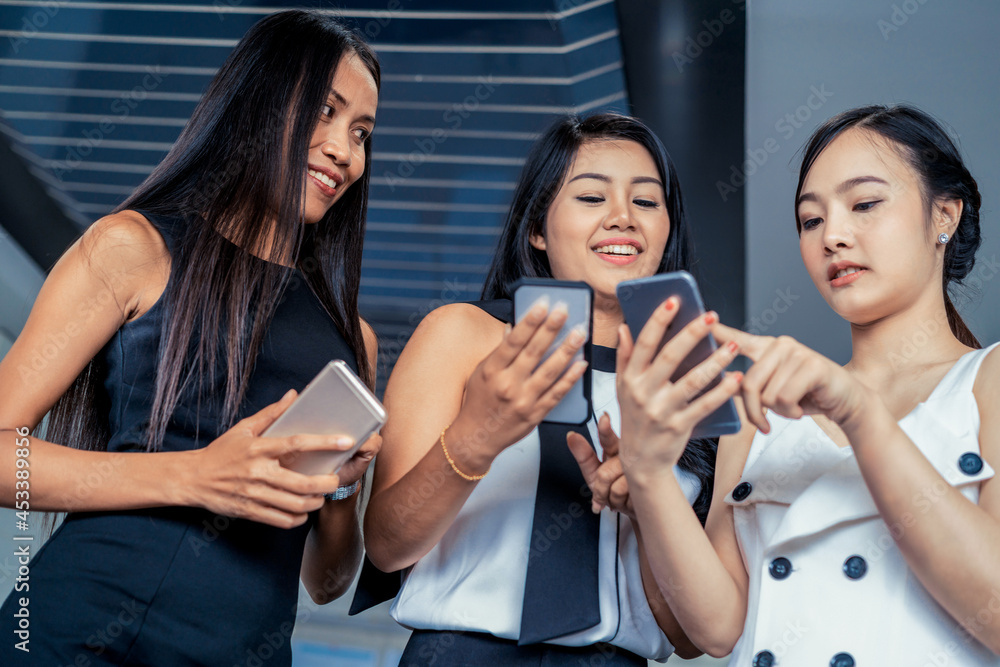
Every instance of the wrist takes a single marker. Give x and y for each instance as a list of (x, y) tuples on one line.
[(466, 448), (859, 417), (645, 477), (179, 482), (344, 492)]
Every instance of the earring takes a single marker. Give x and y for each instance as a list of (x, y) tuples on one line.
[(942, 238)]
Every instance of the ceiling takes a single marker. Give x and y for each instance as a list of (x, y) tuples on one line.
[(92, 95)]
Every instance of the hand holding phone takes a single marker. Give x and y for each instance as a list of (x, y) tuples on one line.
[(335, 402), (639, 299), (578, 298)]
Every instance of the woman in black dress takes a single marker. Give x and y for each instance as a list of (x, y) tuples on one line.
[(183, 319)]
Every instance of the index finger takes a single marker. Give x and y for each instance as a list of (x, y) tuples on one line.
[(304, 442), (750, 346), (647, 343), (521, 334)]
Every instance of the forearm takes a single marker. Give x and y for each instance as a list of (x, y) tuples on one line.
[(950, 543), (702, 596), (404, 521), (63, 479), (665, 619), (333, 550)]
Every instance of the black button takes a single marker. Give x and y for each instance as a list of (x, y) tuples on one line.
[(780, 568), (763, 659), (842, 660), (970, 463), (741, 491), (855, 567)]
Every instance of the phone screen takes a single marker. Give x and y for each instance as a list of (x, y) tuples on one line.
[(639, 298), (578, 298)]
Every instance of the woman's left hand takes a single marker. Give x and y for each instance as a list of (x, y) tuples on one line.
[(793, 380), (606, 478), (356, 466)]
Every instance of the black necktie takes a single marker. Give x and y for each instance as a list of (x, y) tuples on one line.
[(561, 586)]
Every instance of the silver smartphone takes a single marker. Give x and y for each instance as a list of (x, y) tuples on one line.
[(335, 402), (578, 298), (640, 297)]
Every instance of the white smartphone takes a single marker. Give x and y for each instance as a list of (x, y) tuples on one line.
[(578, 298), (335, 402)]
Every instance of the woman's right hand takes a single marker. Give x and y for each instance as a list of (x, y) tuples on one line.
[(509, 393), (239, 474), (658, 416)]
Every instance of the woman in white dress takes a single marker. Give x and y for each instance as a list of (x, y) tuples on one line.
[(856, 519)]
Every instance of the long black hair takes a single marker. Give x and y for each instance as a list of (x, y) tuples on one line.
[(541, 179), (942, 173), (236, 176)]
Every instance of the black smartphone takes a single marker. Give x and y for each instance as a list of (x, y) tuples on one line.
[(578, 297), (640, 297)]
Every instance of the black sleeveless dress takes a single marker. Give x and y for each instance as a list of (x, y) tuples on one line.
[(175, 586)]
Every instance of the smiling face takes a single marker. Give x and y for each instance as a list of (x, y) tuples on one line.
[(337, 147), (867, 237), (609, 221)]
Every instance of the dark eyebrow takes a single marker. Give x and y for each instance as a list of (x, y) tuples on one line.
[(844, 187), (646, 179), (342, 101), (599, 177), (607, 179)]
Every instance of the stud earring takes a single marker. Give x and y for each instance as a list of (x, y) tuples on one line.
[(942, 238)]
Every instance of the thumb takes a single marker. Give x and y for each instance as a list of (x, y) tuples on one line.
[(584, 454), (260, 421), (609, 441)]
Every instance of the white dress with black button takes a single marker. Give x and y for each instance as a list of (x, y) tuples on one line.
[(828, 586)]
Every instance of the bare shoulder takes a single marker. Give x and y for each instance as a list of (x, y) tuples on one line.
[(457, 330), (988, 380), (124, 236), (987, 393), (127, 253)]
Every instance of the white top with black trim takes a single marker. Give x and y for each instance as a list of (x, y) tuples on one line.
[(473, 579)]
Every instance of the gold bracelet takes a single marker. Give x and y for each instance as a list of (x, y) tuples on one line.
[(451, 462)]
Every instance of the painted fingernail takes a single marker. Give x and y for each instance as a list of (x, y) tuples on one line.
[(738, 376), (344, 442), (560, 307), (670, 303), (711, 317), (732, 346)]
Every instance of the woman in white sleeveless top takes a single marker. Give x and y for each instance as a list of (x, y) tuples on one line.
[(856, 518)]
